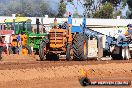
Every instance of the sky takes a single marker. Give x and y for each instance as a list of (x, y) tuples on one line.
[(71, 8)]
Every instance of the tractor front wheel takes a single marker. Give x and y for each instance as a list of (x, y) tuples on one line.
[(42, 51), (13, 50), (3, 50), (26, 50), (68, 53)]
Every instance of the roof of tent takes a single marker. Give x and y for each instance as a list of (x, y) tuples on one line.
[(6, 32), (1, 22), (18, 19)]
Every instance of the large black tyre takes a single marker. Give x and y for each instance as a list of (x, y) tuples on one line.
[(116, 56), (84, 81), (28, 48), (80, 47), (68, 53), (10, 50), (13, 50), (42, 51), (3, 49), (0, 53)]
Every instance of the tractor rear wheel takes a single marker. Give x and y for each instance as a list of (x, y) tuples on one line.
[(26, 50), (68, 52), (42, 51), (80, 47), (3, 50)]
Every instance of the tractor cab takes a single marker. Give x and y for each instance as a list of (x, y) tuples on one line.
[(20, 25)]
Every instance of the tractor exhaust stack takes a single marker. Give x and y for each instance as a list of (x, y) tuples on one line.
[(37, 22)]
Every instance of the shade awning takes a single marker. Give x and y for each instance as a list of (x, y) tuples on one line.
[(18, 19)]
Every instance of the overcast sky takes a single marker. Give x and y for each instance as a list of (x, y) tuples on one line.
[(71, 8)]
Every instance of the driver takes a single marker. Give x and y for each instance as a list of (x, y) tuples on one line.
[(60, 27), (65, 25), (129, 30)]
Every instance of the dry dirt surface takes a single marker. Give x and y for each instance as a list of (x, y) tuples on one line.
[(30, 73)]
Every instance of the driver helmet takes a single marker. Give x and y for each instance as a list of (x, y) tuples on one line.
[(129, 25)]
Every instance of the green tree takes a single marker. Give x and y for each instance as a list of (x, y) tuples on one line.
[(129, 2), (117, 13), (129, 14), (11, 8), (61, 9), (43, 9), (90, 7), (114, 2), (26, 8), (117, 5), (106, 11)]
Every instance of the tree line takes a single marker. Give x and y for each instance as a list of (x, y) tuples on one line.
[(27, 8), (93, 8), (109, 8)]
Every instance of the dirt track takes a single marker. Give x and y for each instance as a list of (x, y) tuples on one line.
[(24, 73)]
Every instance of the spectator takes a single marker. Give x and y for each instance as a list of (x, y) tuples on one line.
[(11, 39), (7, 47), (129, 31), (7, 41), (31, 44), (60, 26), (19, 42)]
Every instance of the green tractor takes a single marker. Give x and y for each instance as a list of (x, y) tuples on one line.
[(30, 40), (35, 38)]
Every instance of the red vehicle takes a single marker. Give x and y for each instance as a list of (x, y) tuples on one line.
[(5, 40)]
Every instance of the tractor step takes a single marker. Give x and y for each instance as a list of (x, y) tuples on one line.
[(56, 52)]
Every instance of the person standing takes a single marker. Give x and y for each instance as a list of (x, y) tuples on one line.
[(19, 42), (129, 30), (7, 41), (31, 44)]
